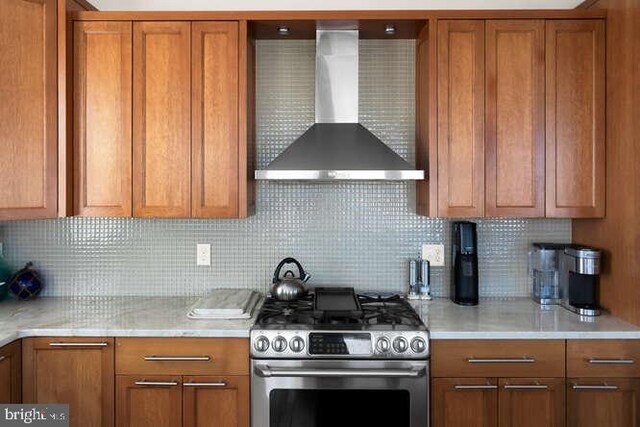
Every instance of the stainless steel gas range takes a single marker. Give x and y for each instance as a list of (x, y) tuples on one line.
[(334, 358)]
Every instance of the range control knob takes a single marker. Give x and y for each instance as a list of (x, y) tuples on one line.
[(418, 345), (261, 344), (296, 344), (279, 344), (383, 345), (400, 345)]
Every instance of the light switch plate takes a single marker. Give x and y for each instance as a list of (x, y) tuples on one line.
[(203, 256), (1, 249), (434, 254)]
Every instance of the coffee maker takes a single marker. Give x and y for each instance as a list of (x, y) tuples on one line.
[(464, 262), (579, 279)]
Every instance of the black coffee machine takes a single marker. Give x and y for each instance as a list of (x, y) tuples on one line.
[(464, 263)]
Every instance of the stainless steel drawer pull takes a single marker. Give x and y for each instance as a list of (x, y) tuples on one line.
[(520, 360), (594, 387), (78, 344), (157, 383), (526, 387), (267, 372), (612, 361), (177, 358), (475, 387), (219, 384)]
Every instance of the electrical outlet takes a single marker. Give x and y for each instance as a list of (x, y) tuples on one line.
[(434, 254), (203, 256)]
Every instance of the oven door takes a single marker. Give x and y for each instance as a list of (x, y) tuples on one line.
[(339, 393)]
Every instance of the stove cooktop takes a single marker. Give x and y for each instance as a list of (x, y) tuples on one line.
[(337, 323)]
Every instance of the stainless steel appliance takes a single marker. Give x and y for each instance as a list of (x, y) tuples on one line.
[(464, 286), (544, 270), (334, 358), (579, 279)]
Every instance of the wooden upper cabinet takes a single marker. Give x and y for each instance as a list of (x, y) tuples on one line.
[(28, 109), (515, 118), (76, 371), (575, 125), (461, 103), (531, 402), (215, 144), (464, 402), (214, 401), (11, 373), (602, 402), (149, 401), (162, 119), (102, 125)]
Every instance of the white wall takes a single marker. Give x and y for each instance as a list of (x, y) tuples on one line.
[(330, 4)]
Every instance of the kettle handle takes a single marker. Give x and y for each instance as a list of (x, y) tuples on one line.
[(276, 275)]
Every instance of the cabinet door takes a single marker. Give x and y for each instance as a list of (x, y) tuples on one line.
[(461, 118), (215, 178), (148, 401), (10, 373), (603, 402), (215, 401), (162, 119), (28, 111), (535, 402), (76, 371), (464, 402), (102, 125), (575, 62), (515, 118)]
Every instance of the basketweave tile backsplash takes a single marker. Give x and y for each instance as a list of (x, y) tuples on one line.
[(357, 234)]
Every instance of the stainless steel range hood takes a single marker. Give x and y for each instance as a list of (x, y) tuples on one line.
[(337, 147)]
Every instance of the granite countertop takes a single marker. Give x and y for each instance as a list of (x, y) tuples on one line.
[(111, 316), (517, 318), (167, 317)]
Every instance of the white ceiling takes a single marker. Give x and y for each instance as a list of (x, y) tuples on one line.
[(198, 5)]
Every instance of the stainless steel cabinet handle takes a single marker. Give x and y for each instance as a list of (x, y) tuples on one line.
[(218, 384), (594, 387), (266, 372), (612, 361), (157, 383), (517, 360), (177, 358), (526, 387), (78, 344), (475, 387)]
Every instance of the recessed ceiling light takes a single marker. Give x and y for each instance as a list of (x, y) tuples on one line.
[(390, 29), (283, 31)]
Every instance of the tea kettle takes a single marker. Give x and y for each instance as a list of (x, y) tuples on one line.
[(289, 287)]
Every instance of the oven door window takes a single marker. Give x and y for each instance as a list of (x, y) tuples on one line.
[(339, 408)]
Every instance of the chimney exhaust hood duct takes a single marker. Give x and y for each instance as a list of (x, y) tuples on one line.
[(337, 147)]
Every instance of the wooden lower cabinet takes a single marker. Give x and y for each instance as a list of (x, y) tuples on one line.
[(76, 371), (10, 373), (215, 402), (603, 402), (189, 401), (492, 402), (149, 401), (464, 402), (534, 402)]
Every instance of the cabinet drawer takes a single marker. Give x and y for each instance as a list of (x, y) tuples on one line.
[(498, 358), (603, 358), (182, 356)]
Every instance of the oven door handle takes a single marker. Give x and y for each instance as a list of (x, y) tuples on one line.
[(266, 371)]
